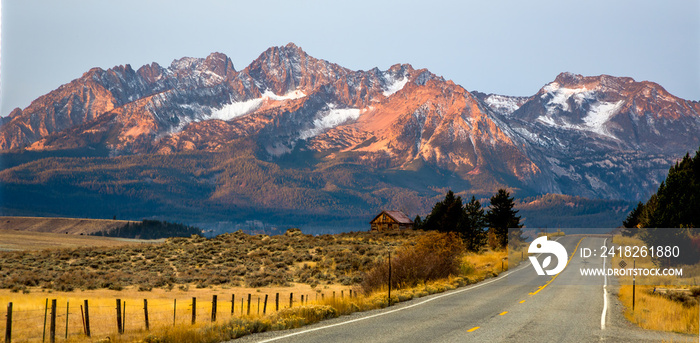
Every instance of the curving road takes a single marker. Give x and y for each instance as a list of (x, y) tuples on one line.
[(518, 306)]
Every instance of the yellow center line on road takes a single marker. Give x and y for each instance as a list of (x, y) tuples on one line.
[(522, 301), (473, 329), (555, 276), (502, 313)]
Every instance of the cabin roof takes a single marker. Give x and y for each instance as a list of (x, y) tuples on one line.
[(398, 216)]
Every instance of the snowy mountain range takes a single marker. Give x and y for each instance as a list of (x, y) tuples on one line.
[(599, 137)]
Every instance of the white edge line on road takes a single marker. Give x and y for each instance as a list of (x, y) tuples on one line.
[(605, 293), (396, 310)]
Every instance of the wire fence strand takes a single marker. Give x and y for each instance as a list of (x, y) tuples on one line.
[(31, 320)]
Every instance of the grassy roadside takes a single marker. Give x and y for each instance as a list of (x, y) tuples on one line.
[(475, 268), (653, 310), (321, 305)]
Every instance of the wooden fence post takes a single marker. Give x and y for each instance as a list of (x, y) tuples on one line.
[(241, 305), (119, 316), (194, 309), (248, 313), (123, 316), (82, 316), (87, 319), (145, 313), (302, 300), (233, 303), (213, 308), (52, 326), (46, 309), (265, 306), (8, 326), (291, 297), (67, 312), (174, 310), (258, 305), (277, 302), (389, 296)]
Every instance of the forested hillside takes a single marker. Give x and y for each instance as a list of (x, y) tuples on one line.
[(676, 203)]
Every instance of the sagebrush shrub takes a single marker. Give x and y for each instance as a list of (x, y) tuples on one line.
[(435, 255)]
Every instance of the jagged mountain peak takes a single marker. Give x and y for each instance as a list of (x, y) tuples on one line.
[(604, 83), (211, 70), (284, 55), (288, 68), (218, 63), (184, 63), (570, 93), (151, 72), (400, 68), (569, 79), (287, 101)]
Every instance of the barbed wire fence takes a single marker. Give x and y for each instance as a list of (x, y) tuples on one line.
[(53, 320)]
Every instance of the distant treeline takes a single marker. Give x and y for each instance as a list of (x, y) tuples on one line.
[(151, 229)]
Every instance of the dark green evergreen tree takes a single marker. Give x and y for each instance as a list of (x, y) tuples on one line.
[(418, 223), (671, 215), (501, 216), (445, 215), (633, 217), (472, 225), (676, 202)]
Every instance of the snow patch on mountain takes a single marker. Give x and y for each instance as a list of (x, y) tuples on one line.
[(241, 108), (503, 104), (184, 63), (548, 120), (599, 114), (236, 109), (396, 86), (559, 97), (330, 119), (210, 78)]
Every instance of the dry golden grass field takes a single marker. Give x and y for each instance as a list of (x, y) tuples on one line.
[(13, 240), (654, 311), (324, 270), (71, 226), (165, 308)]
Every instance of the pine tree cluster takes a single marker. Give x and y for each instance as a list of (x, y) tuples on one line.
[(677, 201), (476, 227), (671, 216)]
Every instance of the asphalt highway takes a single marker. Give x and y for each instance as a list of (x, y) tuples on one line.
[(517, 306)]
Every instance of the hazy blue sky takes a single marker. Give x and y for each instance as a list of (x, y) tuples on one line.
[(494, 46)]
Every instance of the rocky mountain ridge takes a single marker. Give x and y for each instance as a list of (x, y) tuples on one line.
[(599, 137)]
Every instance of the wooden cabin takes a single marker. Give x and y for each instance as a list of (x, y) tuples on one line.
[(391, 220)]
